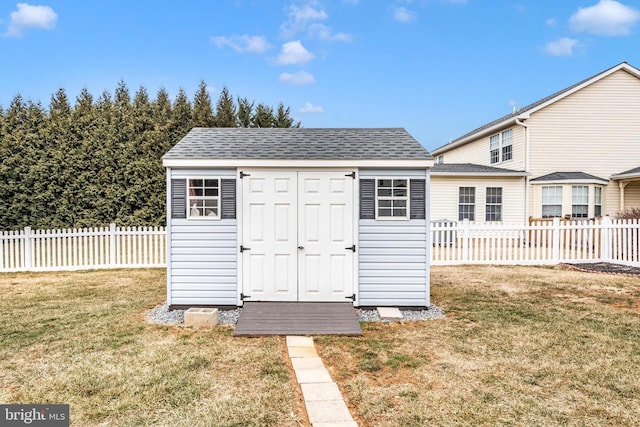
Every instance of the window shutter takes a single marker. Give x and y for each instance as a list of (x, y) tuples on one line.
[(178, 198), (228, 199), (367, 199), (418, 201)]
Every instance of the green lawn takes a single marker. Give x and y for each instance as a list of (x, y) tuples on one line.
[(519, 346)]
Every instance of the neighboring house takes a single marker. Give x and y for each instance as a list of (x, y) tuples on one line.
[(298, 215), (575, 153)]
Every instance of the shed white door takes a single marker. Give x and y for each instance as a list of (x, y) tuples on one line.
[(297, 227)]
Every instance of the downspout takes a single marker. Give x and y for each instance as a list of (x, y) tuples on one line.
[(527, 154)]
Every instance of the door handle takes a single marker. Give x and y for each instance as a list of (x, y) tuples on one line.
[(301, 247)]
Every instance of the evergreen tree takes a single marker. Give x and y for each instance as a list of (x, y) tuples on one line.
[(202, 110), (263, 117), (181, 117), (283, 118), (245, 112), (226, 115)]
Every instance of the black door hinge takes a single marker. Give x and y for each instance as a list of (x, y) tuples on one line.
[(351, 248), (242, 174), (351, 297), (243, 297), (242, 249), (352, 175)]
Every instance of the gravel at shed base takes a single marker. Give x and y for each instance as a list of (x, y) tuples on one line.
[(161, 315)]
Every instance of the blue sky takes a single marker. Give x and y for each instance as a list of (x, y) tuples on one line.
[(438, 68)]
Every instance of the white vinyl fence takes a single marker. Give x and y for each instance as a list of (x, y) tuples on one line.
[(539, 243), (453, 243), (79, 249)]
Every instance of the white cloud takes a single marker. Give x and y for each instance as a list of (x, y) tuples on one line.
[(30, 16), (551, 22), (300, 17), (402, 14), (561, 47), (310, 108), (324, 33), (243, 43), (294, 53), (298, 78), (607, 18)]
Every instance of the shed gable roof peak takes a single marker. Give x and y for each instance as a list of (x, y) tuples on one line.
[(534, 106)]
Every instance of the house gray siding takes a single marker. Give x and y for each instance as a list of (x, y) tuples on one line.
[(202, 267), (393, 266)]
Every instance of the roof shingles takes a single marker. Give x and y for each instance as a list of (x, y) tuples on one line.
[(298, 143)]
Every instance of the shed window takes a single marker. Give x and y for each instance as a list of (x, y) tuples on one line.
[(392, 198), (580, 201), (203, 198), (467, 203), (551, 202), (494, 204)]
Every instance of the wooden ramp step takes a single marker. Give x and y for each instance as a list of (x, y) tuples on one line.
[(298, 318)]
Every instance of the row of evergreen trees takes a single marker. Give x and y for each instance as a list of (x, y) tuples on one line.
[(99, 160)]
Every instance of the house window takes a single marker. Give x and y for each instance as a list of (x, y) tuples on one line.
[(494, 204), (597, 201), (439, 160), (494, 147), (507, 151), (580, 201), (203, 198), (467, 203), (392, 198), (551, 202)]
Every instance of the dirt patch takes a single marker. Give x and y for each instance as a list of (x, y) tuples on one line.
[(605, 268)]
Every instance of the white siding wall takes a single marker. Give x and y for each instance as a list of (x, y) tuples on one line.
[(202, 267), (444, 196), (478, 152), (595, 130), (203, 262), (392, 257)]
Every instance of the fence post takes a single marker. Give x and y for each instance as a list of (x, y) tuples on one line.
[(28, 249), (112, 245), (555, 236), (465, 240), (605, 240)]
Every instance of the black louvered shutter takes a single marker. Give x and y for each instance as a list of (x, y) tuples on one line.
[(178, 198), (228, 199), (418, 201), (367, 199)]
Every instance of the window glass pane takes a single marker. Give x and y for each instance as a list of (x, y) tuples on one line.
[(211, 192), (400, 212), (466, 206), (196, 192), (401, 183), (399, 203), (195, 183), (384, 183), (384, 212), (211, 183), (551, 202), (384, 203), (384, 192), (399, 192)]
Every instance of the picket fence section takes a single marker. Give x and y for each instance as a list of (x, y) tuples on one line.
[(453, 243), (537, 243), (81, 249)]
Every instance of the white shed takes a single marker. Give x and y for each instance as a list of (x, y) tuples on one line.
[(298, 214)]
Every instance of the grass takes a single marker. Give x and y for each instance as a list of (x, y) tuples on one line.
[(519, 346), (81, 338)]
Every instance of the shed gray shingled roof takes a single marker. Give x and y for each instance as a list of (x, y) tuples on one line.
[(473, 169), (299, 144), (567, 176)]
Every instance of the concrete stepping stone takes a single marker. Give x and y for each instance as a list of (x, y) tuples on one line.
[(389, 313)]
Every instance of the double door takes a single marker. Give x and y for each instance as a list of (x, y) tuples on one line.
[(297, 235)]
